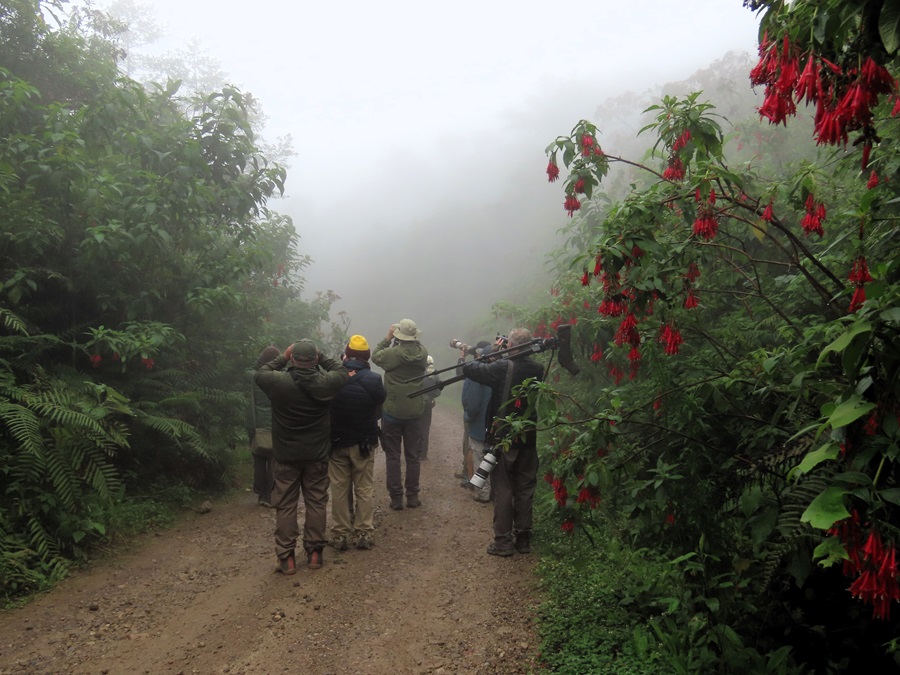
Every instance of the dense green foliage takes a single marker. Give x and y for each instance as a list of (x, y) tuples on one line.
[(738, 315), (141, 271)]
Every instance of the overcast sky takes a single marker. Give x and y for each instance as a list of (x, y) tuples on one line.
[(420, 127)]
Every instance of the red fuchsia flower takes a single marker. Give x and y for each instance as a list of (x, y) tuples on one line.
[(612, 307), (96, 360), (858, 299), (670, 336), (627, 332), (815, 216), (585, 278), (588, 495), (598, 266), (859, 272), (682, 141), (552, 171), (637, 251), (871, 426), (634, 355), (597, 354), (568, 526), (690, 302), (548, 477), (675, 170), (657, 404), (616, 374), (587, 143), (571, 204), (670, 519), (560, 494), (148, 363), (610, 281), (896, 109), (767, 213), (579, 186), (873, 180), (693, 272), (706, 225), (809, 84)]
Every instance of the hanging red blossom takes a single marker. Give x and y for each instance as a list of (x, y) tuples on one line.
[(873, 180), (674, 170), (585, 278), (571, 204), (552, 171), (690, 301), (568, 526), (682, 141), (96, 360), (767, 213), (579, 186), (815, 216), (588, 495), (598, 266), (148, 363), (597, 354), (671, 338), (693, 272)]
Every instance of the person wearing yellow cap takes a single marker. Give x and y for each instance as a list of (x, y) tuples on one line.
[(355, 412)]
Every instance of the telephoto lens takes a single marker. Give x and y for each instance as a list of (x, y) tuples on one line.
[(462, 346), (481, 473)]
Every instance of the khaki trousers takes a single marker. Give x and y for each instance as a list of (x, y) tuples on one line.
[(292, 478), (349, 470)]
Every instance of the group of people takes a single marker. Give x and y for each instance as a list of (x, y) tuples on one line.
[(314, 425)]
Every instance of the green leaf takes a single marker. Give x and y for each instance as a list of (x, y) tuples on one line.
[(849, 411), (813, 459), (889, 26), (891, 495), (832, 550), (826, 509), (841, 343)]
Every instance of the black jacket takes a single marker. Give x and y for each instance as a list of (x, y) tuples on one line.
[(494, 375), (356, 408)]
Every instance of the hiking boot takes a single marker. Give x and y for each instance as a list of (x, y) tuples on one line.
[(397, 503), (523, 542), (493, 549), (413, 502), (314, 559), (339, 543), (364, 543), (264, 502), (288, 564)]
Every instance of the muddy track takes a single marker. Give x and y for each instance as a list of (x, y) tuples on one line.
[(203, 597)]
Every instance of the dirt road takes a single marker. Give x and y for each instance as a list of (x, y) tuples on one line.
[(203, 597)]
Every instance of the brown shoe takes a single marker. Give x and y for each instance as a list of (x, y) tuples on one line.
[(288, 564), (314, 559), (397, 503), (364, 543), (413, 502)]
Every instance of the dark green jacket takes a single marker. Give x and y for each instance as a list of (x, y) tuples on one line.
[(403, 361), (301, 422)]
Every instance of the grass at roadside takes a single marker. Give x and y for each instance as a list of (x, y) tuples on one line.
[(598, 602)]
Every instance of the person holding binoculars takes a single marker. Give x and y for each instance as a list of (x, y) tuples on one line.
[(514, 479)]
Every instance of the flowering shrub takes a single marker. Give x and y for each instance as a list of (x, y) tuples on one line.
[(743, 431)]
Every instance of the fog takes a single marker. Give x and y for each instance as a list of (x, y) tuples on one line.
[(417, 184)]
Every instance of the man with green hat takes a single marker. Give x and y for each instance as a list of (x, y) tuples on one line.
[(301, 438), (402, 358)]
